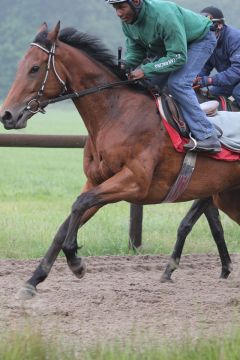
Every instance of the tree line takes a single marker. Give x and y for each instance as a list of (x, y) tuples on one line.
[(20, 20)]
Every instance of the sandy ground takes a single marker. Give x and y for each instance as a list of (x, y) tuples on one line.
[(122, 298)]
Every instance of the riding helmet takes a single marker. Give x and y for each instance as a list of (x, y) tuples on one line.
[(215, 14), (136, 8)]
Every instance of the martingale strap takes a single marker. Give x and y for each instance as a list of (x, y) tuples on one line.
[(183, 178)]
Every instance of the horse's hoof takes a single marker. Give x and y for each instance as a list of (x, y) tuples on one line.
[(27, 292), (78, 267), (226, 271), (166, 278), (225, 274)]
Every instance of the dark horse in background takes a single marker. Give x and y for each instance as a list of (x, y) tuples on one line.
[(128, 156)]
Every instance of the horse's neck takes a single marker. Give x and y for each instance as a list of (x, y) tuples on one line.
[(96, 109)]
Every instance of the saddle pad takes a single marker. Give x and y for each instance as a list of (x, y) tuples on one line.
[(229, 124), (178, 142)]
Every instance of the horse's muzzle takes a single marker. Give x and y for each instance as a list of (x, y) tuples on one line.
[(14, 119), (6, 119)]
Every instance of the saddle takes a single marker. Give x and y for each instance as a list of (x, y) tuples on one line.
[(171, 112), (225, 103)]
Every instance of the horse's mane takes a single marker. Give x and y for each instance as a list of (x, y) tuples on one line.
[(88, 43), (92, 46)]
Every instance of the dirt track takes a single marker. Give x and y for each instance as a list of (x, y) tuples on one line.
[(122, 296)]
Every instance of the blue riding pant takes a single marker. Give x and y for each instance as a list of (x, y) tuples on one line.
[(180, 86), (227, 91)]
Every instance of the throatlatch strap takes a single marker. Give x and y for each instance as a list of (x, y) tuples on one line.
[(183, 178)]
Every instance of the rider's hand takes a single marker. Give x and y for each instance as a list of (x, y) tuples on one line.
[(136, 74), (202, 81), (196, 81)]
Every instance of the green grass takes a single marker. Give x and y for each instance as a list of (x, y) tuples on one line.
[(215, 349), (38, 186), (31, 345)]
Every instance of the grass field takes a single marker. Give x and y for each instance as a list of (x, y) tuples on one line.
[(38, 187), (32, 345)]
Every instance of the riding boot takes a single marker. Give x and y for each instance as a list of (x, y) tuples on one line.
[(210, 145)]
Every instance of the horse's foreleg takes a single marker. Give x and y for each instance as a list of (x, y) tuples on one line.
[(212, 215), (122, 186), (44, 267), (197, 209)]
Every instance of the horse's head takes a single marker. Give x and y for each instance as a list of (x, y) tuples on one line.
[(40, 76)]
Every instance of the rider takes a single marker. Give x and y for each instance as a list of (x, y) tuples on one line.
[(225, 59), (181, 42)]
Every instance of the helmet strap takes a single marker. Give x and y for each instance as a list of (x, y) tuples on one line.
[(136, 9)]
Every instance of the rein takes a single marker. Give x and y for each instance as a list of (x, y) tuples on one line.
[(35, 103), (85, 92)]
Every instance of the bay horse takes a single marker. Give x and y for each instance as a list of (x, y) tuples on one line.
[(128, 156)]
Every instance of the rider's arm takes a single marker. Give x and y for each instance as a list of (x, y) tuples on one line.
[(230, 76), (135, 53), (172, 33)]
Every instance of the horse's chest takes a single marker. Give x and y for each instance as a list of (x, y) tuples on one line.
[(104, 170), (99, 171)]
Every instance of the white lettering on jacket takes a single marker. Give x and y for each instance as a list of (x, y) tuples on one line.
[(168, 62)]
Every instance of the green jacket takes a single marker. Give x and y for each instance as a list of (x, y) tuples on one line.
[(162, 29)]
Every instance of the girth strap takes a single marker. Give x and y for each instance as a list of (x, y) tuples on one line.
[(183, 178)]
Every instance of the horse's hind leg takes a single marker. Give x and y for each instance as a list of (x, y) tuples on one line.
[(197, 209), (212, 215)]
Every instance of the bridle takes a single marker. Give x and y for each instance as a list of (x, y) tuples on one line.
[(64, 95), (51, 61)]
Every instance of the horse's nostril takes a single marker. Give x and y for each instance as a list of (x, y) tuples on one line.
[(7, 116)]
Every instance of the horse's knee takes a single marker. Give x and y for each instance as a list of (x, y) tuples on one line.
[(84, 201)]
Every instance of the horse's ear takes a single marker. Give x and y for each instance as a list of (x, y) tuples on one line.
[(43, 27), (53, 35)]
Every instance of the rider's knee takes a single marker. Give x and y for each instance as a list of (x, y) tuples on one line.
[(177, 86), (174, 86)]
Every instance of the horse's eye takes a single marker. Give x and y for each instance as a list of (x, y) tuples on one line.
[(34, 69)]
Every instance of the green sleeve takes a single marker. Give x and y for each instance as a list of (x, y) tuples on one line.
[(172, 32), (135, 53)]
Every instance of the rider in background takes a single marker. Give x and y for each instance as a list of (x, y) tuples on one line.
[(181, 42), (225, 59)]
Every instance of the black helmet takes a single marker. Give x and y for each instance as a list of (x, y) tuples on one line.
[(136, 8), (215, 14)]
